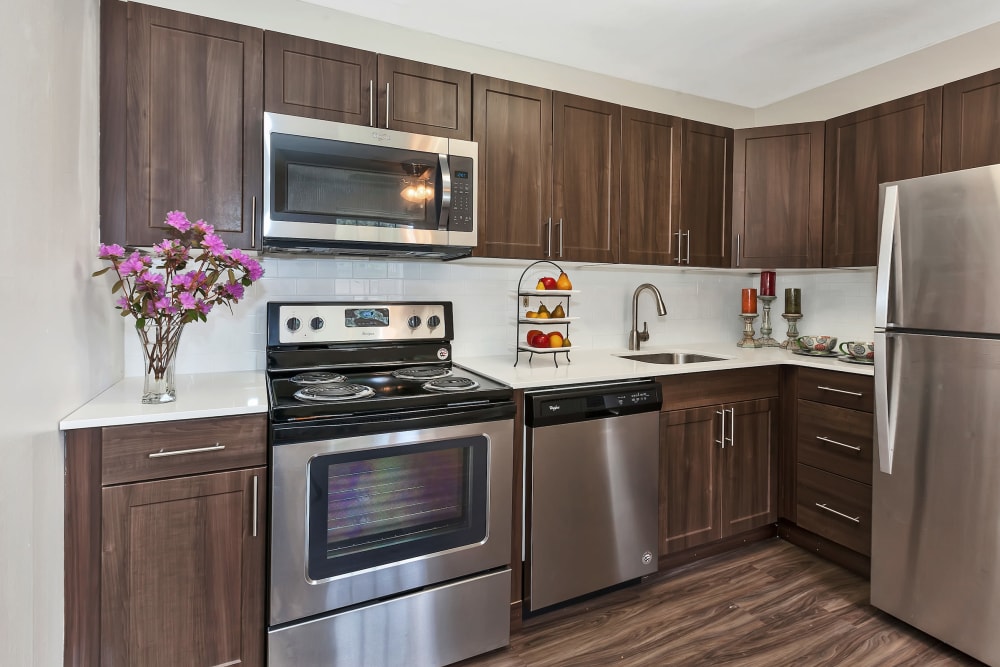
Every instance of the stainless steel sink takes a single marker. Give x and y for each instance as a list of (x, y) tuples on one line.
[(671, 358)]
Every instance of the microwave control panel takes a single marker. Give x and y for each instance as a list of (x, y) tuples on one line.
[(462, 201)]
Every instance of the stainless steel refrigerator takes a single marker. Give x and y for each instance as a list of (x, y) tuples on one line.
[(936, 485)]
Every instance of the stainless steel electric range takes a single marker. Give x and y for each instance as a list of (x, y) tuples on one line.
[(390, 489)]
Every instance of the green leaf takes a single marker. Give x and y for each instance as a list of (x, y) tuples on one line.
[(117, 286), (101, 272), (140, 322)]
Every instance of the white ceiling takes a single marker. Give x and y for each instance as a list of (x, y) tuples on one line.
[(747, 52)]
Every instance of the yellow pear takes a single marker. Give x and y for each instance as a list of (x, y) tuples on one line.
[(540, 285), (563, 282), (558, 311), (565, 342), (542, 309)]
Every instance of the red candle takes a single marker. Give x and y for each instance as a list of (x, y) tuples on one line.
[(767, 283), (749, 300)]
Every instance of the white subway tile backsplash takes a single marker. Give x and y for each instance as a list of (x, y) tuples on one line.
[(702, 305)]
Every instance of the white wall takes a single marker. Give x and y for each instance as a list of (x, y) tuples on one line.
[(61, 340), (702, 305)]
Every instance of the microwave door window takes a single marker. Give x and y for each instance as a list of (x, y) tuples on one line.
[(354, 185)]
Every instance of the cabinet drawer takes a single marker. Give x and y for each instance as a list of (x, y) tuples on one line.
[(835, 507), (167, 449), (848, 390), (836, 439)]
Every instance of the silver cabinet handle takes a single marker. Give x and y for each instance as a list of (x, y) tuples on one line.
[(548, 243), (197, 450), (732, 421), (739, 242), (722, 440), (253, 221), (387, 105), (560, 237), (822, 506), (687, 254), (840, 391), (371, 103), (254, 519), (678, 259), (823, 438)]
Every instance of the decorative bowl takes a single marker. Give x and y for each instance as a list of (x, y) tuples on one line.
[(859, 349), (818, 343)]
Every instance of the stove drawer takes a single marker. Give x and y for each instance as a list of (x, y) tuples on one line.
[(167, 449)]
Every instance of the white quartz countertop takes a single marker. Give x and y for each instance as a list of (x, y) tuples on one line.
[(199, 395), (607, 365)]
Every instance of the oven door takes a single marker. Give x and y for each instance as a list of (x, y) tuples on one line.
[(360, 518)]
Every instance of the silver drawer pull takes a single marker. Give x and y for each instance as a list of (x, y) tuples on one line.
[(855, 519), (839, 444), (841, 391), (214, 448)]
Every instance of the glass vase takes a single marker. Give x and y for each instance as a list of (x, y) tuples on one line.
[(160, 357)]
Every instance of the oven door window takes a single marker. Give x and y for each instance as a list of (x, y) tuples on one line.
[(343, 183), (373, 507)]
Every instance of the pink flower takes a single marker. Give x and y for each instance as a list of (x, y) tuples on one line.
[(232, 290), (254, 269), (190, 280), (204, 227), (178, 220), (123, 303), (204, 307), (133, 265), (109, 251), (214, 244), (187, 300)]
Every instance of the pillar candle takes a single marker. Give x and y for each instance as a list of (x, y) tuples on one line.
[(793, 301), (749, 300), (767, 283)]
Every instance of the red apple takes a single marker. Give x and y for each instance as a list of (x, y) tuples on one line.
[(531, 335), (549, 282), (540, 340)]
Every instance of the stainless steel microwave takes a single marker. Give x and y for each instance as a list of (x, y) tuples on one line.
[(344, 189)]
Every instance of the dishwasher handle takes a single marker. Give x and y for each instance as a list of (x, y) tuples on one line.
[(586, 403)]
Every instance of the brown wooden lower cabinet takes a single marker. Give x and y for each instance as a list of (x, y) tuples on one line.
[(717, 462), (173, 567)]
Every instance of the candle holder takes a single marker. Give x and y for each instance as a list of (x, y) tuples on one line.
[(748, 340), (765, 339), (792, 342)]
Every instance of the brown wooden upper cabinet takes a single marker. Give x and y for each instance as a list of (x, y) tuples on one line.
[(307, 77), (892, 141), (651, 181), (778, 196), (548, 173), (706, 194), (970, 123), (181, 123)]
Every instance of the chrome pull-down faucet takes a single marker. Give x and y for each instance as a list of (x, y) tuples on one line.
[(635, 336)]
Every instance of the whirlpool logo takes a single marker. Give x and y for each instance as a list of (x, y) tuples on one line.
[(380, 136)]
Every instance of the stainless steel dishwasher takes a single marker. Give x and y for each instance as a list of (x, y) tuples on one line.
[(591, 468)]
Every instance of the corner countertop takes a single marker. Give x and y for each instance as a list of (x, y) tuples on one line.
[(608, 365), (199, 395)]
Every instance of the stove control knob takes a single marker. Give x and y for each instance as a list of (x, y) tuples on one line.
[(433, 321), (317, 323), (293, 323), (413, 322)]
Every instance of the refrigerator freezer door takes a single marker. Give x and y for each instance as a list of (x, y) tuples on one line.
[(935, 526), (945, 265)]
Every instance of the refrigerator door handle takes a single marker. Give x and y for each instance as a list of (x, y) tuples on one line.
[(885, 425), (890, 216)]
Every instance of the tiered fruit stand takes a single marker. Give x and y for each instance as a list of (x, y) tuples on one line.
[(525, 298)]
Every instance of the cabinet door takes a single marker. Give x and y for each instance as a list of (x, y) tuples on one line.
[(891, 141), (194, 124), (748, 466), (513, 125), (182, 575), (586, 140), (778, 196), (706, 192), (307, 77), (425, 99), (651, 179), (970, 123), (689, 478)]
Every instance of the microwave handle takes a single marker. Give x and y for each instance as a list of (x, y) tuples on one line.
[(444, 208)]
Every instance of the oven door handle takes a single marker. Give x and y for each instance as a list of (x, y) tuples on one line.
[(444, 192)]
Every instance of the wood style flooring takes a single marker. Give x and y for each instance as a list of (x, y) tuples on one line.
[(766, 605)]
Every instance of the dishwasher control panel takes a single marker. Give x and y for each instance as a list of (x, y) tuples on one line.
[(595, 402)]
